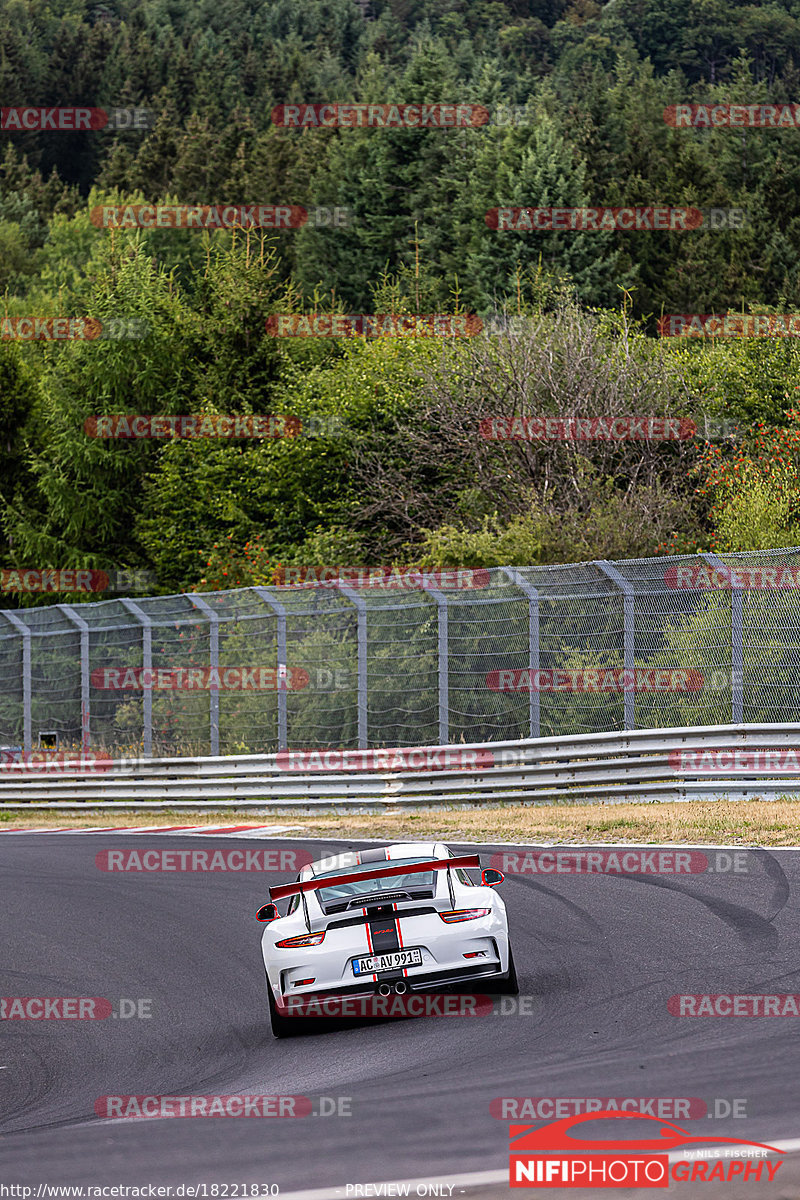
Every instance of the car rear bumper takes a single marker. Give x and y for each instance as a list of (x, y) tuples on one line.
[(431, 982)]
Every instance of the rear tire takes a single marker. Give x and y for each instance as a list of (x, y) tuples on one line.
[(507, 985), (282, 1027)]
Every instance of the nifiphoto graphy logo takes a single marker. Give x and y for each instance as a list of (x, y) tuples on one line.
[(399, 599)]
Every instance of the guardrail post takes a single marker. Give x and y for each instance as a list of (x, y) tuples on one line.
[(147, 665), (79, 623), (534, 713), (737, 642), (628, 634), (443, 660), (27, 722), (361, 626), (213, 662), (280, 612)]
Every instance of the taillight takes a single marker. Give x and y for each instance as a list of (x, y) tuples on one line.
[(462, 914), (306, 939)]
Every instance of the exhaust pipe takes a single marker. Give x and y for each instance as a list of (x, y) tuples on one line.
[(400, 988), (384, 990)]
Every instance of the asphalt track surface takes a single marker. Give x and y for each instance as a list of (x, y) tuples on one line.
[(598, 954)]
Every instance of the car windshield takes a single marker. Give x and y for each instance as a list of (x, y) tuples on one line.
[(341, 894)]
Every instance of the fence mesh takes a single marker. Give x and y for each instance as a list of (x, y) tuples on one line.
[(469, 656)]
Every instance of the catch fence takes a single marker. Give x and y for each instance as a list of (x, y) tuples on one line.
[(410, 660)]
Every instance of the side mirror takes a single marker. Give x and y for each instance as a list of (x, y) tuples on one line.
[(491, 878), (267, 912)]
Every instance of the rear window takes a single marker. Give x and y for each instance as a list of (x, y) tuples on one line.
[(341, 894)]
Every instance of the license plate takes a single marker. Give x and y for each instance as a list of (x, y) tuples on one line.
[(387, 962)]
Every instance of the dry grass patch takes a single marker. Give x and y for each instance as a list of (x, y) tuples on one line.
[(747, 822)]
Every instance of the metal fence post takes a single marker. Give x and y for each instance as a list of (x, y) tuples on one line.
[(27, 723), (737, 642), (79, 623), (147, 665), (361, 634), (533, 645), (280, 612), (444, 662), (213, 662), (628, 634)]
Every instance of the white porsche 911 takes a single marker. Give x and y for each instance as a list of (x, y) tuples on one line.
[(403, 918)]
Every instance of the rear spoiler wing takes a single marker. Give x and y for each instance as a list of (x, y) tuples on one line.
[(324, 881)]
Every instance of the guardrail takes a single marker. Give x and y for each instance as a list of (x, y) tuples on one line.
[(712, 762)]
